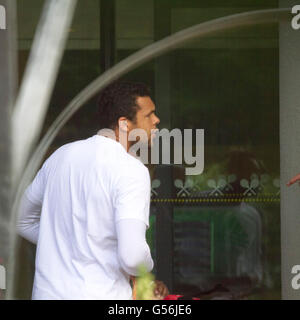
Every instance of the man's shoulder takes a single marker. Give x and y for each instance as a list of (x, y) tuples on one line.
[(63, 153), (79, 146), (65, 147), (128, 165), (115, 157)]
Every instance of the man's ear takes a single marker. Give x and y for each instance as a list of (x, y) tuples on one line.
[(123, 124)]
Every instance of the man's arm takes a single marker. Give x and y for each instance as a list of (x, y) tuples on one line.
[(29, 219), (133, 250), (28, 224), (132, 204)]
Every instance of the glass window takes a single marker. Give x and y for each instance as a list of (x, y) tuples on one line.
[(221, 226)]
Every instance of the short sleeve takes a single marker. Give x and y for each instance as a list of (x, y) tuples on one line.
[(35, 191), (132, 196)]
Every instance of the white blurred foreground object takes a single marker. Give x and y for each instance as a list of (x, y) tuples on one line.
[(2, 277), (34, 96), (39, 79)]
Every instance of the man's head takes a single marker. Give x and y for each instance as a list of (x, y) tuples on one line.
[(126, 106)]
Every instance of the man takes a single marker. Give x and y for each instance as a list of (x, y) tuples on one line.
[(88, 207)]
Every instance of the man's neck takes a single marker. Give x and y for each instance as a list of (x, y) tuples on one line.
[(114, 135)]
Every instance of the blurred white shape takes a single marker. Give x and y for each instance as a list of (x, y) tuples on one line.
[(39, 79), (2, 278), (2, 18)]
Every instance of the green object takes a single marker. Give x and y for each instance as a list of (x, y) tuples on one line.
[(144, 285)]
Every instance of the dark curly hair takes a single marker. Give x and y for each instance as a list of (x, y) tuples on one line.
[(119, 100)]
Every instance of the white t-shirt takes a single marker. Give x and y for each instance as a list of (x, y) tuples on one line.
[(85, 188)]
